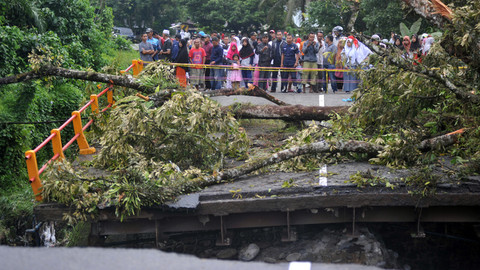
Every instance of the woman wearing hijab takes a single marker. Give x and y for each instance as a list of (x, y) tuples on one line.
[(182, 58), (427, 44), (232, 50), (339, 63), (349, 58), (247, 55), (398, 42), (406, 47), (415, 47)]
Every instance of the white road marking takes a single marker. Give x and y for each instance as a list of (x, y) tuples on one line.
[(322, 180), (321, 100), (300, 266)]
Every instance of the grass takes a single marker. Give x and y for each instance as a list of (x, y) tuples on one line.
[(16, 213), (122, 59)]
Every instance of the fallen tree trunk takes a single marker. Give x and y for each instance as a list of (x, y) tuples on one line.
[(312, 148), (49, 70), (125, 81), (443, 140), (287, 113), (351, 146), (252, 90)]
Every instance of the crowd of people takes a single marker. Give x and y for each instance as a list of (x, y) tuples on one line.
[(271, 60)]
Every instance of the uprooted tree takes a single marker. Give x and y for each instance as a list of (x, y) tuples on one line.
[(177, 141)]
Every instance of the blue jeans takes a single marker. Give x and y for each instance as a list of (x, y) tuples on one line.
[(331, 76), (247, 77), (274, 77), (292, 73), (218, 78), (263, 77)]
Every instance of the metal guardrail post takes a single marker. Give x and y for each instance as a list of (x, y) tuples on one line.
[(85, 149), (137, 67), (32, 168), (94, 104), (110, 97), (57, 143)]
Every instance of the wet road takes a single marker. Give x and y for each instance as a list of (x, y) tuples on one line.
[(16, 258)]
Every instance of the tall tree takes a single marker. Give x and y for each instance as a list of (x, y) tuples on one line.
[(138, 15), (227, 15)]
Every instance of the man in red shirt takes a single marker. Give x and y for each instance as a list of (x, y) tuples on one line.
[(197, 56)]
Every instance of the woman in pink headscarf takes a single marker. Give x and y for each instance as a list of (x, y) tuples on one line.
[(232, 50), (406, 47)]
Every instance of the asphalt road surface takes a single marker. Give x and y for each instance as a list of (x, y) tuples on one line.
[(308, 99), (19, 258)]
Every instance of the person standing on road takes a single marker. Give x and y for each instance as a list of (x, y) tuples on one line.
[(337, 33), (247, 55), (155, 43), (226, 45), (329, 63), (277, 47), (217, 60), (165, 52), (321, 50), (271, 36), (175, 47), (146, 50), (310, 50), (349, 57), (182, 58), (232, 50), (235, 75), (290, 57), (264, 52), (197, 57), (208, 46)]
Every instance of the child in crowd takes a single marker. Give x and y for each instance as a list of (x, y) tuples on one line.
[(235, 75), (232, 50)]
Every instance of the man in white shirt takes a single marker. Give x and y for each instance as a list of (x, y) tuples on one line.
[(321, 74)]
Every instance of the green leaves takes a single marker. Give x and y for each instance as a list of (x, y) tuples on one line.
[(413, 29), (404, 30)]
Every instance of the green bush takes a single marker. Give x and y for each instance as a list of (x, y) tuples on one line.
[(120, 43), (31, 102)]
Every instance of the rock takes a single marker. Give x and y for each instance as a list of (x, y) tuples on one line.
[(205, 243), (263, 245), (227, 253), (249, 253), (293, 257), (270, 260), (326, 239), (308, 257)]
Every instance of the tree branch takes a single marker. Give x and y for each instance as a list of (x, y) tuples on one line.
[(49, 70), (351, 146), (428, 11), (312, 148), (423, 70), (287, 113), (252, 90)]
